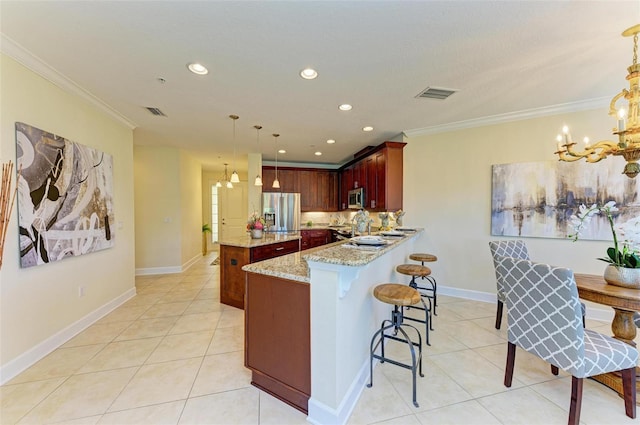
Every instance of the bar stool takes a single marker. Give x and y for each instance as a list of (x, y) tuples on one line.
[(416, 271), (399, 296), (428, 258)]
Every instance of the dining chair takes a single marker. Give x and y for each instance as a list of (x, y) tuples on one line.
[(545, 320), (513, 249)]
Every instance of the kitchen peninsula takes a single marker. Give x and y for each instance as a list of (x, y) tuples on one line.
[(309, 318), (237, 252)]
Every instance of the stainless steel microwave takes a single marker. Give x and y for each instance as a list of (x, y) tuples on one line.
[(356, 198)]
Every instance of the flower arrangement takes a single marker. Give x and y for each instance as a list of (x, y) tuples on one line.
[(625, 251), (256, 221)]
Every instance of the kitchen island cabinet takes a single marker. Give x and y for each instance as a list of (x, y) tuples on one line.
[(340, 316), (236, 253), (278, 346), (313, 238)]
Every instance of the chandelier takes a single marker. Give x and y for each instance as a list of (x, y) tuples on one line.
[(627, 129), (225, 179)]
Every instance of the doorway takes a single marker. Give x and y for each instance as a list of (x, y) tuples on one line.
[(229, 212)]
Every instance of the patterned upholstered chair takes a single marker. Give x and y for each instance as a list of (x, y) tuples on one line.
[(545, 320), (513, 249)]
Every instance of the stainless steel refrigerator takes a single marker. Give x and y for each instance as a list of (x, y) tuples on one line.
[(281, 211)]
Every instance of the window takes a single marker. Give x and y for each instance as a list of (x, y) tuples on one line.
[(214, 213)]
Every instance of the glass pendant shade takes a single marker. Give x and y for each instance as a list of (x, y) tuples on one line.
[(218, 184), (276, 184), (229, 185), (234, 177), (258, 181)]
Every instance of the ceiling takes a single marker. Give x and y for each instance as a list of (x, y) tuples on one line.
[(502, 57)]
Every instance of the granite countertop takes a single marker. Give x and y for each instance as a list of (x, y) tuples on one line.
[(267, 239), (294, 266)]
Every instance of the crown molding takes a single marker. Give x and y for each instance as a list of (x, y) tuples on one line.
[(35, 64), (511, 116)]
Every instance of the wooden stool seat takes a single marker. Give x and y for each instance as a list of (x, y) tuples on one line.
[(413, 270), (425, 258), (400, 296), (396, 294)]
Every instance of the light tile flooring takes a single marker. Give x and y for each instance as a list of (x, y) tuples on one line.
[(173, 355)]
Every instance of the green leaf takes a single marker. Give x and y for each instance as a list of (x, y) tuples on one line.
[(612, 253)]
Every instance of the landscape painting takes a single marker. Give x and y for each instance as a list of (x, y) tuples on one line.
[(65, 197), (537, 199)]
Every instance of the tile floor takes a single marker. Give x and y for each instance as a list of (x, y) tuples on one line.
[(173, 355)]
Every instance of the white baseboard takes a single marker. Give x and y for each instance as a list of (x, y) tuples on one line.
[(31, 356), (158, 270), (321, 414), (168, 270), (594, 312), (191, 262)]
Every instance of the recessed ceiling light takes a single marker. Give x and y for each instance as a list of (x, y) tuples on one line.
[(282, 151), (197, 68), (308, 73), (318, 153), (345, 107), (331, 141), (367, 128)]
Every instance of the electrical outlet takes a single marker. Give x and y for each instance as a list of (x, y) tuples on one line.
[(81, 291)]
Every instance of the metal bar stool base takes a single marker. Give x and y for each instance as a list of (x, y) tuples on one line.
[(396, 323)]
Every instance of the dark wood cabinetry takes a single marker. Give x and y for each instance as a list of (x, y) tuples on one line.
[(278, 338), (379, 173), (233, 258), (318, 188), (314, 237)]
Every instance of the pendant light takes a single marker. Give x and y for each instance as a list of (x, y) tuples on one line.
[(258, 181), (234, 176), (276, 182), (225, 178)]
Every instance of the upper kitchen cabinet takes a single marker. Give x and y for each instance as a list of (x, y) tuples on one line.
[(318, 188), (287, 176), (379, 172)]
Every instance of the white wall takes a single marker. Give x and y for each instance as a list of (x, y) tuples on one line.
[(157, 206), (447, 189), (191, 208), (168, 202), (40, 306)]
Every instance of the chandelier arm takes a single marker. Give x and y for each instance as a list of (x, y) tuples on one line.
[(593, 153), (613, 111)]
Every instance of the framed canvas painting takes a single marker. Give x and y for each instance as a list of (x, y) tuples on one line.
[(65, 197), (537, 199)]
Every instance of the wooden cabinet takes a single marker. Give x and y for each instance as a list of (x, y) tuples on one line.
[(346, 184), (268, 176), (318, 188), (278, 338), (314, 237), (309, 188), (264, 252), (233, 258), (379, 171), (380, 174)]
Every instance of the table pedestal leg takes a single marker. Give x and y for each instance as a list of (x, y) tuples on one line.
[(624, 329)]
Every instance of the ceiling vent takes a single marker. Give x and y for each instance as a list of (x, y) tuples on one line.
[(155, 111), (436, 93)]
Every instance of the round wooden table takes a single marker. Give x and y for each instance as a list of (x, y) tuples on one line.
[(625, 302)]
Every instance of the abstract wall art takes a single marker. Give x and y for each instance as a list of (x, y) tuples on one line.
[(537, 199), (65, 197)]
